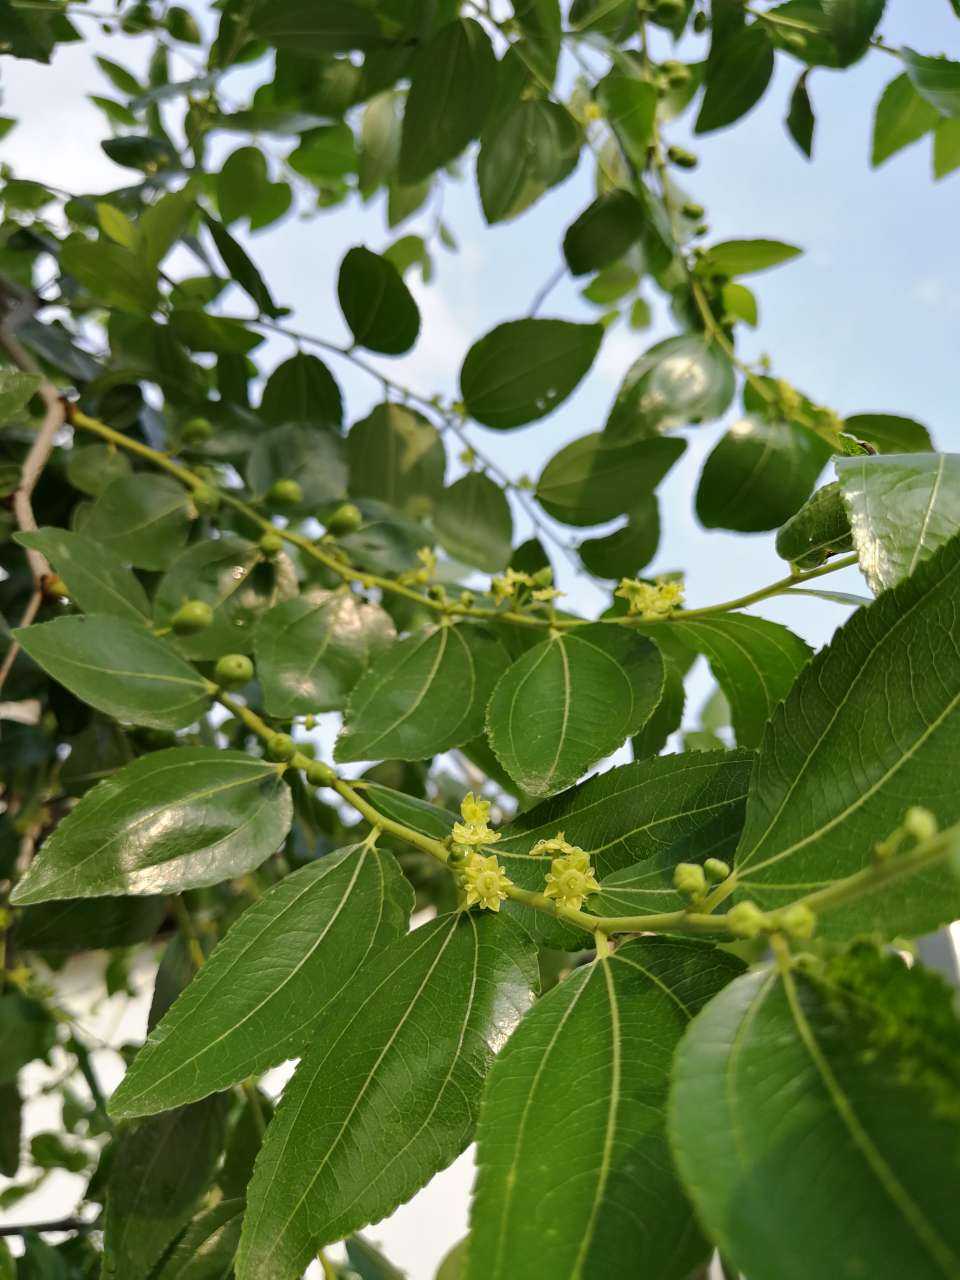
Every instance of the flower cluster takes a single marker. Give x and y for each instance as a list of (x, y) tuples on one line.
[(571, 877), (485, 883), (427, 571), (510, 584), (474, 831), (651, 600)]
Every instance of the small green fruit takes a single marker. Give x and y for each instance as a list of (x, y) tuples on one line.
[(206, 499), (233, 670), (318, 774), (669, 11), (196, 430), (682, 158), (346, 519), (194, 615), (271, 544), (285, 493), (700, 22), (693, 211), (281, 747)]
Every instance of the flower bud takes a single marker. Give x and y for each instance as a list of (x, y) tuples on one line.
[(280, 746), (689, 879), (746, 920), (206, 499), (920, 823), (195, 615), (797, 922), (700, 22), (716, 869), (318, 774), (233, 670)]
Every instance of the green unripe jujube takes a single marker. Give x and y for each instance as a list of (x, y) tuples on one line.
[(271, 544), (192, 616), (196, 430), (281, 747), (233, 670), (206, 499), (285, 493), (346, 519)]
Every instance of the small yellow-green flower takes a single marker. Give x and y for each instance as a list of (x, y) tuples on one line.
[(473, 832), (571, 876), (651, 601), (547, 594), (485, 881), (559, 847), (508, 585)]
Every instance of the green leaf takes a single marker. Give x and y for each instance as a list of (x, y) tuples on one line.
[(901, 508), (379, 141), (624, 553), (206, 1249), (16, 390), (326, 155), (261, 997), (457, 985), (121, 79), (937, 80), (541, 25), (759, 475), (852, 23), (244, 190), (336, 26), (310, 455), (91, 467), (161, 1168), (667, 715), (239, 584), (569, 701), (241, 268), (473, 522), (219, 334), (11, 1125), (29, 1033), (864, 732), (424, 695), (533, 148), (946, 147), (452, 85), (613, 1204), (119, 668), (97, 579), (376, 304), (115, 275), (302, 389), (755, 662), (592, 480), (743, 257), (312, 650), (603, 232), (801, 121), (369, 1263), (662, 810), (820, 529), (870, 1133), (171, 820), (162, 224), (679, 381), (63, 927), (396, 456), (902, 117), (630, 106), (522, 370), (142, 518), (889, 433), (737, 74)]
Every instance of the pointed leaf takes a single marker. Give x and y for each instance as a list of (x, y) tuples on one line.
[(143, 518), (396, 456), (738, 73), (169, 821), (820, 529), (679, 381), (308, 454), (937, 80), (889, 433), (376, 304), (97, 579), (603, 232), (533, 148), (902, 117), (403, 1054), (474, 523), (206, 1249), (594, 479), (261, 996), (625, 552), (302, 389)]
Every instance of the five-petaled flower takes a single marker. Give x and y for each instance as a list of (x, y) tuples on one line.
[(571, 877), (484, 881), (651, 600), (473, 832)]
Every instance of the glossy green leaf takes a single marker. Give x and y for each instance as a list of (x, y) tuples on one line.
[(594, 479), (801, 121), (397, 456), (569, 701), (29, 1033), (625, 552), (172, 820), (937, 80), (239, 584), (458, 986), (379, 141), (96, 577), (864, 732), (220, 334), (91, 467), (142, 518), (759, 475), (755, 662), (679, 381), (312, 650), (310, 456), (302, 389), (474, 523), (743, 257), (402, 706), (522, 370), (946, 147), (870, 1132), (852, 23), (241, 268), (667, 715), (630, 106), (161, 1168), (261, 996), (902, 117), (603, 232), (820, 529), (532, 149), (889, 433), (541, 24), (376, 304), (120, 668), (58, 928), (452, 85), (206, 1249), (116, 275), (901, 508), (336, 26), (589, 1067), (738, 73)]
